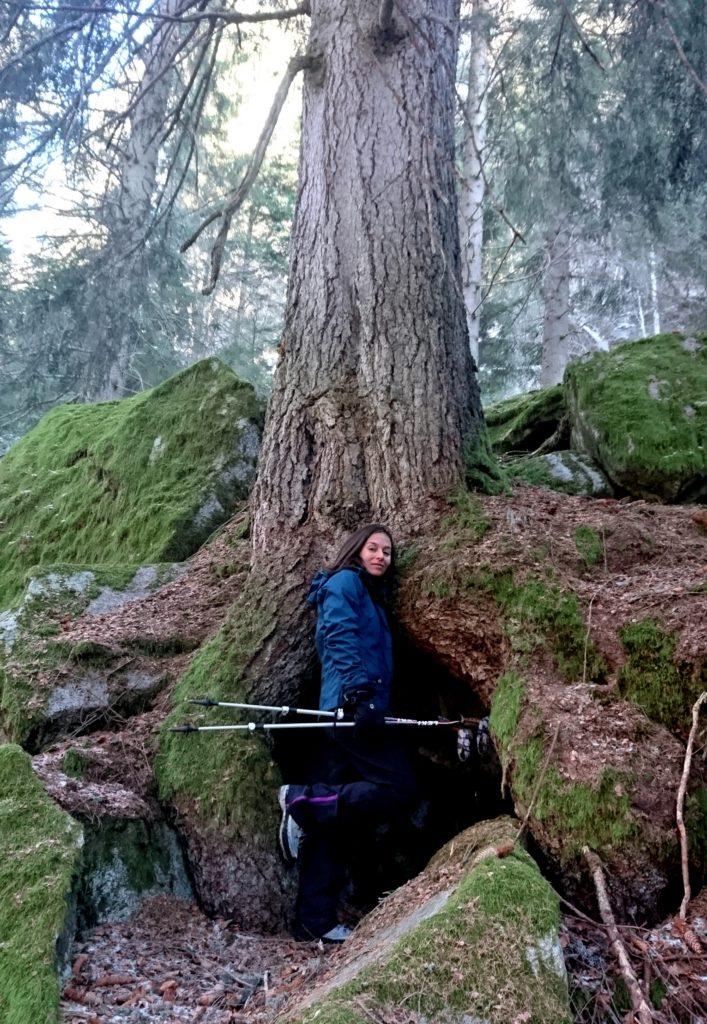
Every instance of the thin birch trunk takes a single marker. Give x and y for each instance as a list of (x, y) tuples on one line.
[(555, 291), (471, 224)]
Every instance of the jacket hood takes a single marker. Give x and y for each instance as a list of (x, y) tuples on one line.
[(378, 589), (315, 587)]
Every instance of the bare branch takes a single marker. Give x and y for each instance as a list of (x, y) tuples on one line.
[(238, 196), (580, 36), (640, 1007), (228, 17), (681, 803), (679, 47)]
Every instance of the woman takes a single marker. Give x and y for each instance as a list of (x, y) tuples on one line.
[(364, 777)]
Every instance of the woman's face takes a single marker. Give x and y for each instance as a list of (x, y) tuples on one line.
[(376, 554)]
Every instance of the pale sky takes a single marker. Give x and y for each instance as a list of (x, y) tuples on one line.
[(255, 80)]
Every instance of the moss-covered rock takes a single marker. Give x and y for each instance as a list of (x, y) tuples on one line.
[(654, 679), (49, 688), (224, 785), (143, 479), (640, 412), (474, 937), (40, 849), (525, 422), (564, 471), (586, 776), (125, 862)]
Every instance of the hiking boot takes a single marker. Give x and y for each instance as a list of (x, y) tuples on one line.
[(290, 832), (340, 933)]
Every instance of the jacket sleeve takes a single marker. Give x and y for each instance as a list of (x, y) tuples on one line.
[(340, 615)]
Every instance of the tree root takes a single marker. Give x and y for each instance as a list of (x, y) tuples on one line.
[(642, 1010)]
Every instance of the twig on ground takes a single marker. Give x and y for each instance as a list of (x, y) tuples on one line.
[(586, 641), (682, 789), (539, 782), (641, 1009)]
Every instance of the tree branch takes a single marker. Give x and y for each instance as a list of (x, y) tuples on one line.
[(641, 1008), (681, 803), (679, 47), (238, 196), (229, 17), (583, 41)]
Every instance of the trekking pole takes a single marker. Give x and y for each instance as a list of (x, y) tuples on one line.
[(207, 702), (267, 726)]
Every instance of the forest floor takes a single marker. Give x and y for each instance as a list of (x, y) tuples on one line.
[(171, 963)]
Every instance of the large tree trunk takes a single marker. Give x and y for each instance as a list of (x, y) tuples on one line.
[(471, 206), (375, 396)]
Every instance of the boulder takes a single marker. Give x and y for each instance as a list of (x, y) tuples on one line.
[(639, 411), (130, 853), (564, 471), (40, 852), (525, 422), (588, 775), (144, 479), (50, 687), (474, 937)]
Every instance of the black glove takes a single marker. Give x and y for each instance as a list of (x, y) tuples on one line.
[(367, 719), (358, 700)]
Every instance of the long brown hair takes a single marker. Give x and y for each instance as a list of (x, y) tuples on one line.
[(347, 556)]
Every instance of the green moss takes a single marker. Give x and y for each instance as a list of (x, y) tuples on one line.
[(406, 557), (230, 776), (524, 422), (651, 678), (538, 614), (74, 763), (639, 410), (575, 813), (589, 545), (39, 852), (506, 706), (485, 954), (482, 470), (123, 481), (468, 522)]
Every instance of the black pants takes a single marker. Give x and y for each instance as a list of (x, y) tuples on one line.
[(364, 782)]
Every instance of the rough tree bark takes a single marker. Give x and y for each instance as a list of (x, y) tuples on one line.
[(471, 212), (375, 396)]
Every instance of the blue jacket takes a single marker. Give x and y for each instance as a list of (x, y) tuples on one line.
[(353, 638)]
